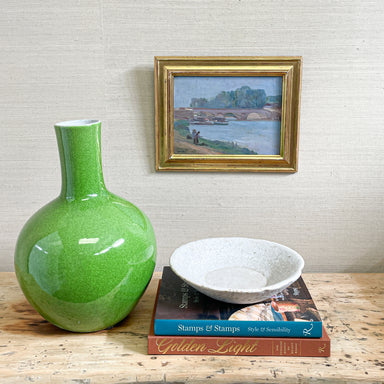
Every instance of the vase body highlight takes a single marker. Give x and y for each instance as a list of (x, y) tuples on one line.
[(84, 260)]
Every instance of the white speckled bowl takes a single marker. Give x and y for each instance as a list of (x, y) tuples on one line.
[(237, 270)]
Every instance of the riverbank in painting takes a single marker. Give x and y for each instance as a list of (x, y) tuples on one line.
[(184, 144), (260, 137)]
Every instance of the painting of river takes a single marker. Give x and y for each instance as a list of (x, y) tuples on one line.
[(227, 115)]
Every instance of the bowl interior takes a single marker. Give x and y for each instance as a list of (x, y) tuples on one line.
[(236, 264)]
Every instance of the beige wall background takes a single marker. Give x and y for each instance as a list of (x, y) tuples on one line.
[(63, 60)]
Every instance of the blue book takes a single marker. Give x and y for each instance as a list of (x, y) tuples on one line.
[(182, 310)]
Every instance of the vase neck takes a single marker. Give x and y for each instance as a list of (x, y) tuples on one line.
[(80, 158)]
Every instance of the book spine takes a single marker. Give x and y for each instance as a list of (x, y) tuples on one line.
[(237, 346), (238, 328)]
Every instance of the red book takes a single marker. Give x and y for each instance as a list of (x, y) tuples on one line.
[(237, 346)]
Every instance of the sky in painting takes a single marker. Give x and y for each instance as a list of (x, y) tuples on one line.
[(187, 87)]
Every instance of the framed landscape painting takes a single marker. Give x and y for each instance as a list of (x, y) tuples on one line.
[(227, 113)]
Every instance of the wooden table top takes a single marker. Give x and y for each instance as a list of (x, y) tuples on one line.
[(33, 350)]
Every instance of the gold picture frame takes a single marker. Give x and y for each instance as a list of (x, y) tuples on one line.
[(245, 129)]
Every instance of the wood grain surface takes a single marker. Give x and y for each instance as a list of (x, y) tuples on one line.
[(33, 350), (73, 59)]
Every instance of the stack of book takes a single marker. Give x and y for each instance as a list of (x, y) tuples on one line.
[(186, 322)]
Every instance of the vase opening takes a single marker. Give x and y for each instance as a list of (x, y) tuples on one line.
[(80, 157), (77, 123)]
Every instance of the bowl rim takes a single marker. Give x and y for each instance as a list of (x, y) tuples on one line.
[(273, 287)]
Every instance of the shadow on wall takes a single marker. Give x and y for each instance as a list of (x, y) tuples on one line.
[(143, 81), (377, 268), (373, 264)]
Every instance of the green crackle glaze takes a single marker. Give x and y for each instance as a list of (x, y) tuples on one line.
[(84, 260)]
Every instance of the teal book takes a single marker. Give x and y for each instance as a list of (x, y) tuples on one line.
[(182, 310)]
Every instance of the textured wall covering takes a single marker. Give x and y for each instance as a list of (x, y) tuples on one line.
[(64, 60)]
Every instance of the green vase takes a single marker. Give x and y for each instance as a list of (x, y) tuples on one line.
[(84, 260)]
